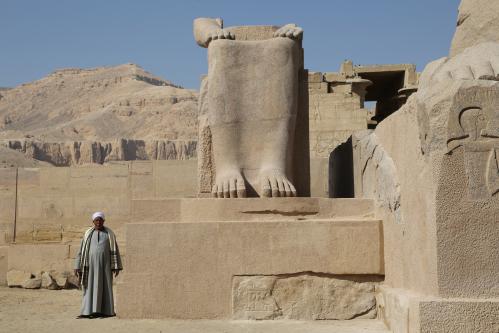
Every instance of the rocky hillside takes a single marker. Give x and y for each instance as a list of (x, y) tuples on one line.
[(103, 114)]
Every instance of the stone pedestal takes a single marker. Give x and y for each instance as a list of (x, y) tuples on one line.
[(296, 258)]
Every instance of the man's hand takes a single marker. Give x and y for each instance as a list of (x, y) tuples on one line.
[(116, 273), (77, 273), (289, 31)]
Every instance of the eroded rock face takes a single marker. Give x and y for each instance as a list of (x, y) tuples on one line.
[(97, 114), (302, 297), (86, 152)]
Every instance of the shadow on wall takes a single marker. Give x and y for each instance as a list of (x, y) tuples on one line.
[(341, 184)]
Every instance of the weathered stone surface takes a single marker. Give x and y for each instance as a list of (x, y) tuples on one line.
[(450, 150), (61, 278), (59, 201), (38, 257), (456, 315), (252, 139), (33, 283), (17, 278), (315, 77), (254, 209), (478, 22), (174, 179), (47, 233), (443, 146), (318, 88), (301, 297), (333, 119), (480, 62), (376, 176), (4, 252), (199, 259), (73, 233), (72, 281), (48, 282)]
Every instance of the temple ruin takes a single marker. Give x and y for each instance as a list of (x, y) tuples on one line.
[(367, 193)]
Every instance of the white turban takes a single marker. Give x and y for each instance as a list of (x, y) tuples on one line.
[(98, 214)]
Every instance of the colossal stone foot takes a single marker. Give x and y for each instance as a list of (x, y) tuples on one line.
[(230, 185), (275, 184), (289, 31)]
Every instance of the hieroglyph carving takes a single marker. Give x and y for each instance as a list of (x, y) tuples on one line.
[(474, 124)]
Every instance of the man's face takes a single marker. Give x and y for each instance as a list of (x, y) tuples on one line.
[(99, 223)]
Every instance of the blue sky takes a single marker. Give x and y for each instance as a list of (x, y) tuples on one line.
[(39, 36)]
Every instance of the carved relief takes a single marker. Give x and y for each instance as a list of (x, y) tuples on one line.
[(493, 174), (301, 297), (474, 124)]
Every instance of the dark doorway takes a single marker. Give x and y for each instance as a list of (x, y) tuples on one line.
[(341, 183)]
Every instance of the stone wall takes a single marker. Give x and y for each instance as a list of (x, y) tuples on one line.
[(336, 110), (44, 211), (254, 258), (432, 171)]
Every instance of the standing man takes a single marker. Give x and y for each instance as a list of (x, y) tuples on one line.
[(95, 262)]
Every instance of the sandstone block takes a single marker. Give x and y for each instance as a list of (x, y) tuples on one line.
[(255, 209), (25, 233), (17, 278), (48, 282), (55, 179), (38, 257), (61, 278), (476, 23), (195, 262), (4, 252), (74, 247), (73, 233), (47, 233), (29, 203), (7, 195), (465, 315), (142, 186), (318, 88), (33, 283), (181, 177), (314, 77), (334, 77), (116, 205), (251, 33), (302, 297), (72, 281), (28, 178)]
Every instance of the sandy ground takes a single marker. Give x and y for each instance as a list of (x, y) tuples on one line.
[(43, 311)]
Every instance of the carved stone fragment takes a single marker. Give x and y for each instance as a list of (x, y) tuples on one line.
[(302, 297)]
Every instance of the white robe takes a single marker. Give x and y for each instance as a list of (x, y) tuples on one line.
[(98, 295)]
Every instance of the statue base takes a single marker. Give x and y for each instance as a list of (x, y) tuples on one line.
[(289, 258)]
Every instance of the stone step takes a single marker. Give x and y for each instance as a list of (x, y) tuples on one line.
[(193, 270), (268, 326), (238, 258), (250, 209)]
